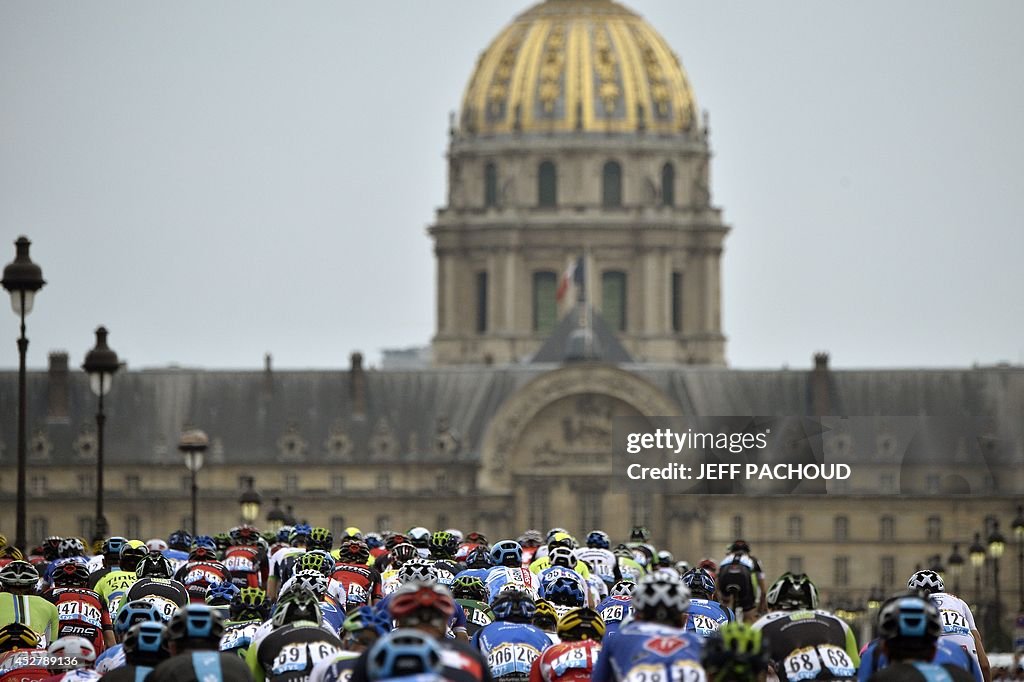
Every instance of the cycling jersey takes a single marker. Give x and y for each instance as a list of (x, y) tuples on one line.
[(478, 614), (358, 579), (705, 616), (629, 569), (114, 586), (31, 610), (247, 564), (82, 613), (642, 652), (925, 672), (238, 635), (76, 675), (946, 651), (614, 610), (539, 565), (290, 652), (23, 665), (522, 578), (111, 659), (957, 622), (165, 594), (204, 666), (600, 561), (809, 645), (510, 648), (128, 673), (337, 669), (566, 661), (196, 576)]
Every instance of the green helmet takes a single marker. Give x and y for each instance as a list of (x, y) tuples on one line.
[(734, 652), (443, 544), (321, 538), (469, 587)]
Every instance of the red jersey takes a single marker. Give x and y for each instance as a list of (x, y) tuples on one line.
[(566, 661), (82, 613), (196, 576), (247, 564), (359, 574)]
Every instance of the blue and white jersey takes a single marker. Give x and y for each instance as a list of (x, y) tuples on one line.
[(553, 573), (500, 576), (704, 617), (872, 660), (510, 648), (110, 659), (613, 611), (642, 652), (474, 573)]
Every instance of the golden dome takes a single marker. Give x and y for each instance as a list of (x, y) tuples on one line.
[(578, 65)]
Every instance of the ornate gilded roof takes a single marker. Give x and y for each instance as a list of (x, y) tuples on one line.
[(578, 65)]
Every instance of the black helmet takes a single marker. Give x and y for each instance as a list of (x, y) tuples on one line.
[(197, 623)]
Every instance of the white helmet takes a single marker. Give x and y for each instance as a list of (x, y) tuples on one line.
[(74, 652), (927, 581)]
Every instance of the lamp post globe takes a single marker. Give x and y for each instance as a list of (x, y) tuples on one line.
[(249, 503), (100, 364), (22, 279)]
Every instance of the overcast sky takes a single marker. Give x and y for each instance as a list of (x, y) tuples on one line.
[(215, 180)]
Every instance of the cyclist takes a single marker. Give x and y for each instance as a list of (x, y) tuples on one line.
[(192, 637), (115, 585), (511, 643), (741, 581), (546, 618), (617, 607), (419, 537), (565, 594), (956, 616), (248, 610), (705, 615), (246, 558), (910, 627), (560, 539), (220, 595), (296, 643), (143, 650), (562, 563), (598, 556), (201, 570), (298, 538), (507, 557), (20, 604), (130, 614), (108, 559), (179, 546), (478, 561), (531, 541), (71, 659), (574, 657), (626, 564), (471, 594), (396, 557), (735, 653), (873, 658), (805, 643), (404, 655), (81, 612), (155, 585), (21, 658), (354, 574), (363, 626), (653, 645)]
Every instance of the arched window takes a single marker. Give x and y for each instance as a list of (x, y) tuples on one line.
[(668, 185), (613, 299), (490, 185), (545, 308), (611, 184), (547, 185)]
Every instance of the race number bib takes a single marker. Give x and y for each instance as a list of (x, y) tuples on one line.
[(806, 663), (510, 658), (704, 624), (165, 606), (954, 623), (614, 613), (79, 611), (239, 563), (574, 659), (301, 656), (681, 671)]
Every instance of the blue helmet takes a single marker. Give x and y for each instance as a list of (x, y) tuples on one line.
[(136, 612), (479, 557), (513, 605), (284, 533), (700, 582), (403, 652), (564, 592), (180, 539), (507, 553), (114, 544), (204, 541), (300, 530), (598, 539), (221, 594), (195, 622)]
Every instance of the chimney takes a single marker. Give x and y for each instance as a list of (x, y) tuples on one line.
[(57, 391), (357, 386), (268, 374), (821, 403)]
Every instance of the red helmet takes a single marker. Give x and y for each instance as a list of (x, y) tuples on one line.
[(413, 597)]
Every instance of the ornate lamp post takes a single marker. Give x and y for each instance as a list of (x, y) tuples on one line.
[(996, 546), (1018, 532), (22, 279), (956, 567), (249, 502), (192, 444), (977, 554), (100, 364)]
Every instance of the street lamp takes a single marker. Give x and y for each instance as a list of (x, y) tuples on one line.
[(100, 364), (996, 546), (977, 554), (956, 567), (275, 517), (1018, 532), (22, 279), (193, 444), (249, 502)]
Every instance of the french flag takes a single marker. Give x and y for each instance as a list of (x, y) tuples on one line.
[(573, 275)]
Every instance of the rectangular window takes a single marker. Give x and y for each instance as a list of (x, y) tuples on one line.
[(887, 528), (383, 483), (291, 483), (86, 483), (490, 185), (590, 503), (935, 528), (841, 527), (537, 505), (132, 526), (37, 485), (841, 577), (131, 485), (85, 527), (246, 483), (337, 527), (737, 527), (40, 529), (545, 307), (931, 482), (794, 528), (481, 302), (337, 484), (795, 564), (887, 483), (677, 301), (888, 572), (442, 483), (613, 299)]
